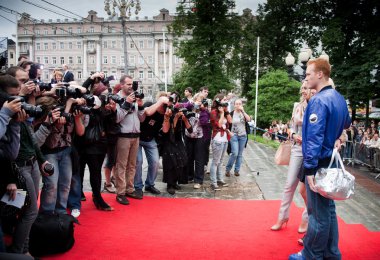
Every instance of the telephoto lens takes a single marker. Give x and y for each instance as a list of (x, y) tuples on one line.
[(49, 169)]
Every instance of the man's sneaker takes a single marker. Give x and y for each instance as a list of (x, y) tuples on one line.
[(214, 187), (222, 183), (297, 256), (206, 170), (197, 186), (109, 188), (152, 190), (75, 213), (139, 193), (134, 195), (122, 199)]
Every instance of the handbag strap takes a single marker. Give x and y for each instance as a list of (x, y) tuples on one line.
[(338, 160)]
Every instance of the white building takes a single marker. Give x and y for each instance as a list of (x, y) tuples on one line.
[(96, 44)]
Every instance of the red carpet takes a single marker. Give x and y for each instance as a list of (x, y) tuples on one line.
[(160, 228)]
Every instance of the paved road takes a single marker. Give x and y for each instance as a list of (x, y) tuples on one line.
[(262, 179)]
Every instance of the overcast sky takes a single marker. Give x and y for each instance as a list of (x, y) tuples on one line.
[(81, 7)]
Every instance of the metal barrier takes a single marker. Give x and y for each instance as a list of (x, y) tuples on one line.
[(362, 154)]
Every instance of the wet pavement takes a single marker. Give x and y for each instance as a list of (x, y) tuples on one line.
[(261, 179)]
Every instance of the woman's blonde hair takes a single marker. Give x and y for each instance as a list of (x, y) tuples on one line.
[(198, 96)]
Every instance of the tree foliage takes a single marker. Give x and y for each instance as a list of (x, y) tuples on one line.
[(276, 96), (214, 28)]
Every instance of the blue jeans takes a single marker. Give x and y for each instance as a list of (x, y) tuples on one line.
[(151, 152), (237, 147), (218, 150), (56, 188), (321, 240)]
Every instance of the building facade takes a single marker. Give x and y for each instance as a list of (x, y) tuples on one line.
[(96, 44)]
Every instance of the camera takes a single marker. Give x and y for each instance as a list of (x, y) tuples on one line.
[(188, 114), (84, 109), (204, 102), (67, 116), (173, 98), (90, 100), (31, 110), (219, 103), (135, 86)]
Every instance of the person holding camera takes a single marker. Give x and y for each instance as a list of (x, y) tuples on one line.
[(195, 142), (128, 115), (174, 157), (68, 76), (220, 121), (57, 149), (239, 137), (149, 133)]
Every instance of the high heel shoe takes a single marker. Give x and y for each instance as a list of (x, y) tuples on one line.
[(100, 204), (279, 224), (303, 227)]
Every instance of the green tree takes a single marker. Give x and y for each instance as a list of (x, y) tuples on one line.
[(214, 29), (276, 97)]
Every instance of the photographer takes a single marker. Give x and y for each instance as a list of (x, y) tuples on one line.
[(195, 142), (128, 115), (9, 137), (220, 121), (174, 158), (57, 149), (149, 133)]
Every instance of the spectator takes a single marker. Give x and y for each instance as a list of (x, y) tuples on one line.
[(188, 95), (57, 77), (67, 75), (375, 141)]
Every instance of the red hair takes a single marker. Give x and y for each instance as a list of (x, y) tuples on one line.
[(321, 65)]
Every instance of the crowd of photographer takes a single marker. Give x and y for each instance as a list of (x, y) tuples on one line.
[(55, 129)]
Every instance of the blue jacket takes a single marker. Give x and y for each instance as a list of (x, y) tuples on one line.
[(325, 118)]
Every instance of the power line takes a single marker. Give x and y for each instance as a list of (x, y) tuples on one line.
[(42, 7)]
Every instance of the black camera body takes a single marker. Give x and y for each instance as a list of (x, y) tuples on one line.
[(204, 102), (135, 86), (84, 109), (219, 103), (67, 116), (188, 114), (31, 110)]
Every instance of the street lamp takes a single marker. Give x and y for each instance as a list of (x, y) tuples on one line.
[(125, 9), (303, 57)]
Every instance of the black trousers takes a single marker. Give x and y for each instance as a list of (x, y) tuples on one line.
[(196, 152), (94, 162)]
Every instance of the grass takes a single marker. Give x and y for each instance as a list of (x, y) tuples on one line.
[(264, 141)]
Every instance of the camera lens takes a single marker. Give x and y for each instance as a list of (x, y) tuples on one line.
[(49, 169)]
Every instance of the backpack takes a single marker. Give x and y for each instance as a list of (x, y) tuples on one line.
[(52, 234)]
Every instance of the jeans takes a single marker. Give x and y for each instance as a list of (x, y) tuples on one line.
[(237, 147), (321, 240), (56, 188), (75, 195), (151, 152), (218, 150), (20, 242)]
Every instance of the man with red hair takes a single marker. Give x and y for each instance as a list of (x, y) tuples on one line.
[(324, 120)]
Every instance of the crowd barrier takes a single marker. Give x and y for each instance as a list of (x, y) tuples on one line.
[(356, 153)]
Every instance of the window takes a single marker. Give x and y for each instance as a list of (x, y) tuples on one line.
[(38, 46), (70, 60), (150, 74), (38, 32), (131, 45), (113, 44), (105, 44), (141, 28), (79, 45), (105, 74), (25, 32), (70, 45), (54, 60), (132, 59), (150, 59), (162, 74), (46, 46), (62, 60), (141, 44), (25, 47), (11, 54), (79, 74), (91, 45), (150, 44), (113, 59), (131, 73), (46, 60), (141, 74), (122, 60), (45, 31), (62, 31), (79, 30), (70, 30), (105, 59), (92, 29), (92, 59), (62, 45), (38, 59), (54, 46), (46, 75), (141, 60), (79, 59)]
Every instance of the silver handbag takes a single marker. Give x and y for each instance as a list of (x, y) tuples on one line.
[(335, 183)]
